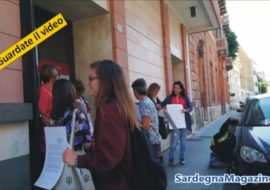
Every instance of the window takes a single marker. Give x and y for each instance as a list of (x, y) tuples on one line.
[(259, 113)]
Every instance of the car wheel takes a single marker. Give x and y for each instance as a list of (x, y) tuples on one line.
[(233, 167)]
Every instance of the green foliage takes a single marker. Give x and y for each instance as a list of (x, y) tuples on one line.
[(262, 85), (263, 89), (233, 44)]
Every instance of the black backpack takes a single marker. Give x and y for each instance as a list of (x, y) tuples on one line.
[(148, 173)]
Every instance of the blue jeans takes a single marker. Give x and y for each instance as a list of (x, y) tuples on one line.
[(175, 137)]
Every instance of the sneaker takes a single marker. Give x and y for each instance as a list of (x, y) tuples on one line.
[(182, 162)]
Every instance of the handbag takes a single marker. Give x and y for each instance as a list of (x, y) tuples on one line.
[(72, 177), (163, 127)]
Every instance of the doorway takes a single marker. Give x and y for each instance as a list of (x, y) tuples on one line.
[(177, 69), (58, 49)]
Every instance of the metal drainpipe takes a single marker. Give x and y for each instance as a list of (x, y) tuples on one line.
[(188, 68)]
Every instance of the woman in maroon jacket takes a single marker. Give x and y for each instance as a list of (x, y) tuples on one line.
[(109, 159)]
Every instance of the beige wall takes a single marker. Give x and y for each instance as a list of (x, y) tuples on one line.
[(176, 46), (92, 42), (10, 33), (175, 35), (246, 71), (145, 49), (14, 136), (177, 69), (14, 140)]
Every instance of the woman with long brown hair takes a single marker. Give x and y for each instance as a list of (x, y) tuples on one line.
[(110, 157), (179, 96)]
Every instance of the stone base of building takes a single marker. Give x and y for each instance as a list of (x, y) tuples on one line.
[(202, 116)]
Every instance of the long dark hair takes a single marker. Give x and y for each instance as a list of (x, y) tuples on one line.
[(180, 84), (112, 86), (63, 98)]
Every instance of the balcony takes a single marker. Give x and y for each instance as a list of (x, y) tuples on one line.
[(222, 45), (225, 22), (228, 63), (222, 5)]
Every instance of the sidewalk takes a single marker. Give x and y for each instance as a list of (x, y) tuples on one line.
[(197, 158)]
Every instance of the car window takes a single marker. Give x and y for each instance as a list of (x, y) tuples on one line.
[(259, 113)]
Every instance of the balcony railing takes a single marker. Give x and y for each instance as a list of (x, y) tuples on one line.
[(225, 22), (229, 63), (222, 44)]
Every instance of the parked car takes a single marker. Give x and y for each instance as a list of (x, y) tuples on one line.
[(252, 153)]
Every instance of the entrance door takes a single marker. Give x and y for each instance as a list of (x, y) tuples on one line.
[(58, 49)]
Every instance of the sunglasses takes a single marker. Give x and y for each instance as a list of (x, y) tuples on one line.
[(92, 78)]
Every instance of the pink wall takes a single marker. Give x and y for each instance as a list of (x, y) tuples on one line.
[(208, 74), (11, 78)]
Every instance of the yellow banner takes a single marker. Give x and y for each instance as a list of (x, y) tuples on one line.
[(32, 40)]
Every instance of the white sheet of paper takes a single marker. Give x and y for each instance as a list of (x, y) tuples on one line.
[(56, 142), (174, 110)]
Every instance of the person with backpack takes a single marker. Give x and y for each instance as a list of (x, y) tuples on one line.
[(223, 144), (110, 156), (148, 113), (178, 96)]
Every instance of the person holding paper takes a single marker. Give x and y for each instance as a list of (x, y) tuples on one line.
[(178, 96), (110, 157)]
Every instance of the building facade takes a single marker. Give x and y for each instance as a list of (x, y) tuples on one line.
[(235, 85), (246, 74)]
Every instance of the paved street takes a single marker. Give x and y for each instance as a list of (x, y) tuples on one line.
[(197, 158)]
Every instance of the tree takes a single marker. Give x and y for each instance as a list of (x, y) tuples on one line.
[(233, 44), (262, 85)]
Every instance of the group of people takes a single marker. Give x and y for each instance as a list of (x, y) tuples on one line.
[(57, 100), (108, 146), (148, 107)]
